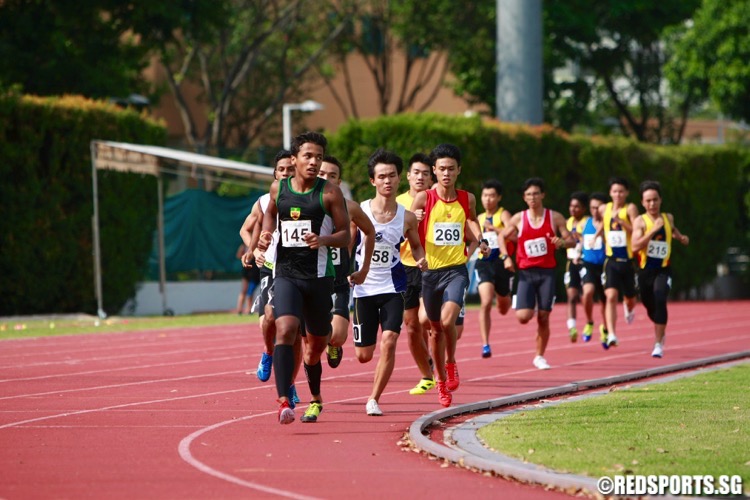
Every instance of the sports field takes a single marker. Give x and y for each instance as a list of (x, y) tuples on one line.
[(177, 412)]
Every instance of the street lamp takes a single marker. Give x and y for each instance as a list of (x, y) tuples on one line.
[(307, 106)]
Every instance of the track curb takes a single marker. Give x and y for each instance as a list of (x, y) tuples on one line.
[(528, 473)]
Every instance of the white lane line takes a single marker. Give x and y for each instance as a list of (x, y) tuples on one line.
[(125, 368)]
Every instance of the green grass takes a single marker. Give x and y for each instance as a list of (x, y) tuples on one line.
[(73, 325), (695, 425)]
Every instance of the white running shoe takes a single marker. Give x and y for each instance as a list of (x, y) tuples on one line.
[(658, 351), (629, 315), (373, 409), (611, 340), (541, 363)]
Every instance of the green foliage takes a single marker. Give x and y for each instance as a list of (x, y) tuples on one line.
[(46, 210), (711, 58), (698, 182)]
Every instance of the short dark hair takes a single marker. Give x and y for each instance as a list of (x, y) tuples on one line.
[(283, 153), (312, 137), (646, 185), (533, 181), (493, 184), (334, 160), (445, 151), (419, 158), (599, 196), (619, 180), (582, 198), (384, 156)]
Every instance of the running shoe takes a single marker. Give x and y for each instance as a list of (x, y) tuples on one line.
[(573, 334), (541, 363), (373, 409), (312, 412), (629, 315), (587, 331), (293, 397), (452, 373), (334, 355), (612, 340), (286, 414), (264, 367), (423, 386), (444, 395), (658, 351), (486, 351), (603, 337)]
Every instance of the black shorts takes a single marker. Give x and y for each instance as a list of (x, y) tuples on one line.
[(493, 271), (307, 299), (340, 299), (536, 288), (385, 311), (593, 274), (443, 285), (572, 278), (413, 287), (620, 274), (266, 280)]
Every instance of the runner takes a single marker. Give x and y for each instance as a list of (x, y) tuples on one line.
[(619, 275), (250, 232), (331, 171), (445, 213), (379, 301), (312, 217), (653, 233), (593, 256), (575, 224), (494, 280), (419, 176), (537, 230)]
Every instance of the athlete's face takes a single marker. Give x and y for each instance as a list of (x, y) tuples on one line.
[(308, 160), (490, 199), (446, 170), (330, 172), (385, 179), (619, 194), (576, 209), (594, 209), (284, 168), (419, 177), (651, 201), (533, 197)]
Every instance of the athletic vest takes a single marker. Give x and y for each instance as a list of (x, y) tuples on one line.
[(593, 248), (535, 250), (442, 229), (407, 259), (576, 228), (491, 236), (299, 214), (270, 254), (616, 238), (387, 273), (659, 248)]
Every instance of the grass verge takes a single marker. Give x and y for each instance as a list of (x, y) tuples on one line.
[(695, 425), (82, 324)]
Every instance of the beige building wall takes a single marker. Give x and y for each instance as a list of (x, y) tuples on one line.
[(333, 116)]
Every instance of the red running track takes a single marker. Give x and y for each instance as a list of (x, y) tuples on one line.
[(180, 413)]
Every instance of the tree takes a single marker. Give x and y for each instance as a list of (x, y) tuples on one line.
[(378, 31), (711, 57), (96, 48), (246, 68)]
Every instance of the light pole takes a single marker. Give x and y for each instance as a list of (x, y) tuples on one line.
[(287, 117)]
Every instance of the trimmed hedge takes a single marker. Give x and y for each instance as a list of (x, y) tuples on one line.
[(46, 205), (703, 186)]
